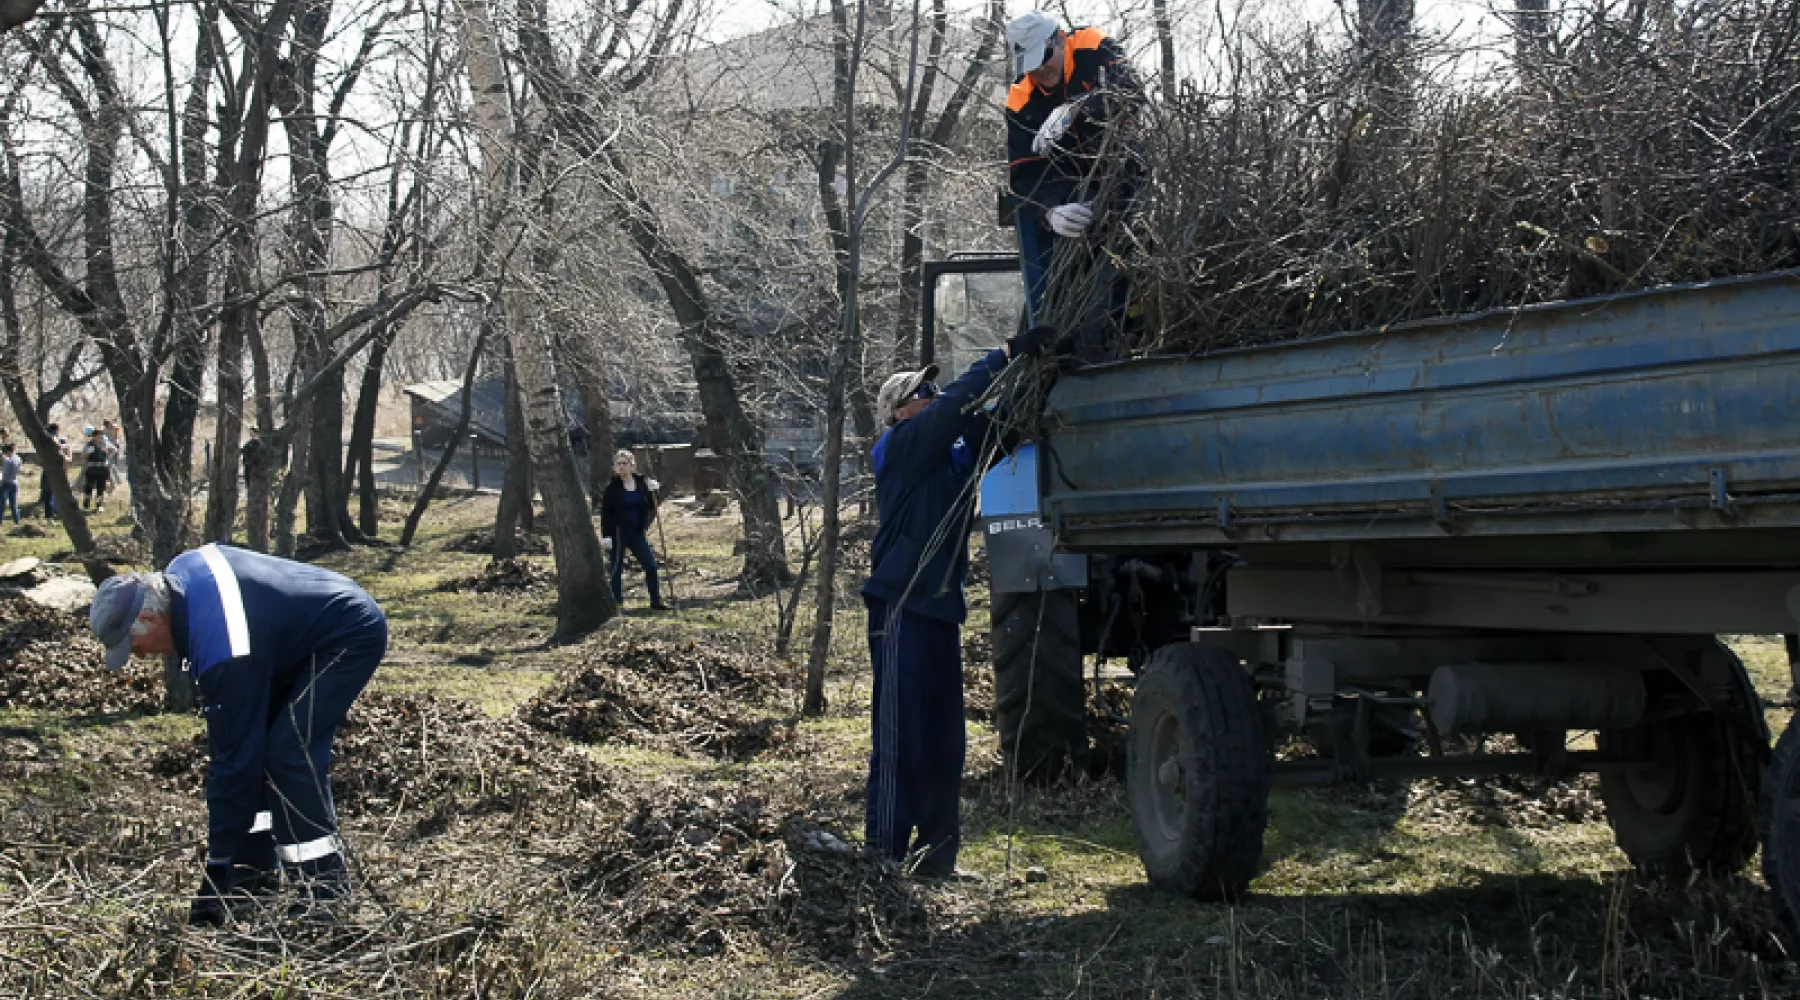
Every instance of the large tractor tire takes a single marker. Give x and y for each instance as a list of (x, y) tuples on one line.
[(1197, 771), (1780, 823), (1040, 704), (1695, 807)]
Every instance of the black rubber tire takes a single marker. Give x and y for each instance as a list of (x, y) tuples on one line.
[(1197, 772), (1040, 702), (1780, 827), (1697, 810)]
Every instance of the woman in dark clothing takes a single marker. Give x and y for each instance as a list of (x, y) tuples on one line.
[(627, 509)]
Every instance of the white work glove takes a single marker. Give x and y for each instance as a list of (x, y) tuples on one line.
[(1072, 220), (1053, 129), (653, 485), (606, 543)]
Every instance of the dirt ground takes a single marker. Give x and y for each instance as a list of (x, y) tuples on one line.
[(641, 814)]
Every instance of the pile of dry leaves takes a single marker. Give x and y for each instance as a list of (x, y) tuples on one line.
[(401, 751), (513, 576), (712, 874), (667, 692), (118, 550), (1515, 801), (49, 659), (481, 542)]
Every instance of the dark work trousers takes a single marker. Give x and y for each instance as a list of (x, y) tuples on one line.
[(46, 498), (639, 544), (306, 708), (1094, 331), (9, 497), (1036, 244), (915, 768)]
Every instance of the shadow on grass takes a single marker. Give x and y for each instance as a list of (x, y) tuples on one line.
[(1540, 935)]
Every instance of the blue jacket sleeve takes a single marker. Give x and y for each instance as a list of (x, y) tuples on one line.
[(925, 440), (236, 708)]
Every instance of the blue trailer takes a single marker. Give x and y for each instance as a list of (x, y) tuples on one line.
[(1531, 522)]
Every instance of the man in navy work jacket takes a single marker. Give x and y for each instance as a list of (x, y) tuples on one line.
[(1056, 114), (925, 466), (280, 650)]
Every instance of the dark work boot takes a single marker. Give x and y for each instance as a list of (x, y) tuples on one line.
[(256, 872), (320, 884)]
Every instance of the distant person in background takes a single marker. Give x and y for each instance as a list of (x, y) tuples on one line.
[(114, 442), (9, 481), (96, 474), (627, 509), (47, 497)]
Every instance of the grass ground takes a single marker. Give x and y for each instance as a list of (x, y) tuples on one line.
[(1383, 892)]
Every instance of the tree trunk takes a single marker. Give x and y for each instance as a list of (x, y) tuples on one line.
[(838, 150), (916, 186), (310, 230), (228, 431), (241, 154), (327, 523), (300, 449), (1165, 47), (515, 487), (361, 461), (584, 591), (600, 442), (735, 435), (262, 458), (189, 286)]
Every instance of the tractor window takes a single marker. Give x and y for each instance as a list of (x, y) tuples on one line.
[(976, 312)]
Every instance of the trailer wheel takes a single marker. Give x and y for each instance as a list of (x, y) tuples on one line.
[(1040, 705), (1197, 771), (1695, 807), (1780, 822)]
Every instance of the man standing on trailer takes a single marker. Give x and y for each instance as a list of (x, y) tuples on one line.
[(1056, 116), (925, 464), (280, 650)]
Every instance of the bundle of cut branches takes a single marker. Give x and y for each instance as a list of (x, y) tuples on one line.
[(1626, 146)]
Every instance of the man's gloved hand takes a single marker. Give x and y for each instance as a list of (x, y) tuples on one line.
[(1054, 128), (1032, 341), (1071, 220), (208, 908), (606, 543)]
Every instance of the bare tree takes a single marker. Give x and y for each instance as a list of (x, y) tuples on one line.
[(584, 594), (847, 219), (934, 137)]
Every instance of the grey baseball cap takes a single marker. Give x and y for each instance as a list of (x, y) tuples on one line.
[(898, 387), (116, 607), (1026, 37)]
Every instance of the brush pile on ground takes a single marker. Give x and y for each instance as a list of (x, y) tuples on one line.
[(1512, 801), (481, 542), (49, 660), (402, 751), (668, 692), (507, 576), (117, 550), (1324, 184), (712, 874)]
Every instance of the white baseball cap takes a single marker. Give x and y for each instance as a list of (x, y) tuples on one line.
[(900, 387), (1028, 35)]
